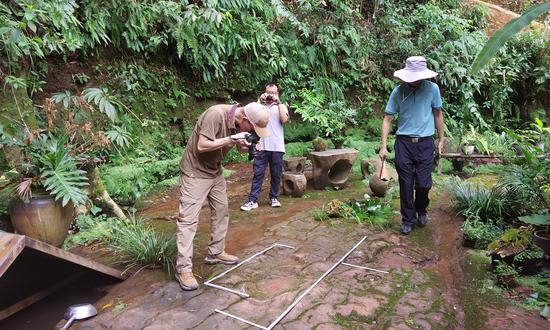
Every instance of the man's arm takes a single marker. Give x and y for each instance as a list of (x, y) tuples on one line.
[(283, 113), (438, 118), (205, 144), (386, 125)]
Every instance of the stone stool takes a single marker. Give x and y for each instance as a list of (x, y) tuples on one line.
[(308, 170), (294, 184), (294, 164), (332, 167)]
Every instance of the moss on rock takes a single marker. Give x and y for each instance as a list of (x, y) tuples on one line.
[(16, 107)]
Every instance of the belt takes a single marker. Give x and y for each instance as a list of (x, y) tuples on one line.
[(414, 139)]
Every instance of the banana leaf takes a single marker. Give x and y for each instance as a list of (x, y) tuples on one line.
[(504, 34)]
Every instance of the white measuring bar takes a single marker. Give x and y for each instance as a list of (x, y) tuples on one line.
[(242, 294)]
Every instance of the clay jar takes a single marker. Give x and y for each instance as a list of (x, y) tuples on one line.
[(42, 218)]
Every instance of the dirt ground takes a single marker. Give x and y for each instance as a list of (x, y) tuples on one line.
[(500, 16), (426, 286)]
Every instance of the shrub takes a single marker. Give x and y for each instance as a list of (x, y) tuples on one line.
[(234, 156), (330, 116), (128, 183), (319, 214), (529, 255), (165, 184), (527, 187), (89, 229), (506, 274), (134, 243), (138, 243), (296, 131), (511, 242), (491, 169), (482, 232), (373, 127), (474, 200), (373, 211), (297, 149)]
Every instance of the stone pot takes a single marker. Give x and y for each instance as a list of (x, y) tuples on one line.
[(541, 238), (365, 168), (468, 242), (319, 144), (379, 182), (468, 150), (338, 144), (378, 186), (42, 218), (458, 165), (294, 164)]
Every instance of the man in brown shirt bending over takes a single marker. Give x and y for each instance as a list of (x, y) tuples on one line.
[(201, 177)]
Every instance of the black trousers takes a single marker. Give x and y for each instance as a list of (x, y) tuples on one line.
[(414, 161)]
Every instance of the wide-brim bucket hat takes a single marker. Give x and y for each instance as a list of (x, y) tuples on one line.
[(258, 115), (415, 69)]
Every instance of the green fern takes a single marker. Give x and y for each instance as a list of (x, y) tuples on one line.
[(119, 136), (105, 102), (66, 97)]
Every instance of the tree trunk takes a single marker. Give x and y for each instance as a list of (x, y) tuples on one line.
[(99, 195)]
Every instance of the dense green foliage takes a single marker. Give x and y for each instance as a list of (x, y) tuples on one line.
[(127, 183), (90, 229), (145, 68), (338, 49)]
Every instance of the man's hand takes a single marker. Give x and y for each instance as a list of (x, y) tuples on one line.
[(264, 96), (383, 153), (240, 140), (440, 146), (240, 136)]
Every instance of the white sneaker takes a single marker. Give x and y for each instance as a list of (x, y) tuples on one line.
[(275, 202), (248, 206)]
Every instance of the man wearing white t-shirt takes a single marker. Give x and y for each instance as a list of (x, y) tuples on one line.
[(270, 150)]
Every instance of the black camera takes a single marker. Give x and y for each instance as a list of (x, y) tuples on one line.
[(269, 98), (253, 139)]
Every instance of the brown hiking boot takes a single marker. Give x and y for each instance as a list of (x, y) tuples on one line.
[(222, 258), (187, 281)]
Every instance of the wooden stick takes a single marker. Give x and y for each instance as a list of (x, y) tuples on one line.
[(381, 168)]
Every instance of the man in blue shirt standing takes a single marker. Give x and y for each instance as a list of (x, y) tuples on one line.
[(417, 102)]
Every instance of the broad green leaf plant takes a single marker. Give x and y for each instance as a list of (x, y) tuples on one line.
[(46, 167)]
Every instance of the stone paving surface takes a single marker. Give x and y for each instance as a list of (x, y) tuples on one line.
[(421, 291), (347, 298)]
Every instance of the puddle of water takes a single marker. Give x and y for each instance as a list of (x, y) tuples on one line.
[(447, 238)]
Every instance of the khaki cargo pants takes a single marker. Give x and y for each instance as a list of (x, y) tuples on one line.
[(193, 192)]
